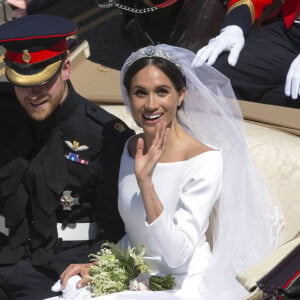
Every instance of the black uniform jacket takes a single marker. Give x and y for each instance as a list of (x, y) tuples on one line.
[(75, 152)]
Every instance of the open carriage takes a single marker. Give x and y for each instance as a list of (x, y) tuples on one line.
[(273, 137)]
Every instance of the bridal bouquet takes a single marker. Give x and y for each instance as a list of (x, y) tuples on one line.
[(116, 270)]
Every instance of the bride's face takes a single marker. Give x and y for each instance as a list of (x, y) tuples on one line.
[(153, 98)]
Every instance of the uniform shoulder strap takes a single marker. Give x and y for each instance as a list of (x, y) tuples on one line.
[(98, 114)]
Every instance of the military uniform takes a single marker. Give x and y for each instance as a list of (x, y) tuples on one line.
[(269, 50), (58, 189)]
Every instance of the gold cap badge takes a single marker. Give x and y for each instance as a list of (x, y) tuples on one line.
[(26, 56)]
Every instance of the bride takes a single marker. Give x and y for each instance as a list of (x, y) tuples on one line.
[(188, 189)]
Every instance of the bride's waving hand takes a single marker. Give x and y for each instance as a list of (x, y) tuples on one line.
[(146, 159)]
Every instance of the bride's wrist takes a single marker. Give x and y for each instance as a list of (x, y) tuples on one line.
[(145, 183)]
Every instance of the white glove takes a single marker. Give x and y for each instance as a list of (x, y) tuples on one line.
[(292, 82), (71, 292), (231, 38)]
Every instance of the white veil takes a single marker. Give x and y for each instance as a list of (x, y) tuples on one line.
[(246, 221)]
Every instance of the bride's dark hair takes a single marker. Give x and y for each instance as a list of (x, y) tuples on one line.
[(167, 67)]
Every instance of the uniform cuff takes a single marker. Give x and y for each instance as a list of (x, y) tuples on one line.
[(241, 17)]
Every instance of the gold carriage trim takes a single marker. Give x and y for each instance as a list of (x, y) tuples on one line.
[(250, 5)]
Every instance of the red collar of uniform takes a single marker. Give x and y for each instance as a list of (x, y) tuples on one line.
[(166, 3)]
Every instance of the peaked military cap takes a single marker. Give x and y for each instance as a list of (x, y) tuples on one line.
[(36, 46)]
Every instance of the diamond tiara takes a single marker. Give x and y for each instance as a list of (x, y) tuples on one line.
[(152, 51)]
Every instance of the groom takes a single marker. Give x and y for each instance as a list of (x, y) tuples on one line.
[(59, 162)]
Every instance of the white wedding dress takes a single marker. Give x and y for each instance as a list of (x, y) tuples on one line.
[(175, 243)]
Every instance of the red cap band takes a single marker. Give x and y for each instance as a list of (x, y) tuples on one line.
[(38, 56)]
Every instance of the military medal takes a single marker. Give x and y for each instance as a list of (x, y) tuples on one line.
[(75, 146), (67, 201), (75, 157)]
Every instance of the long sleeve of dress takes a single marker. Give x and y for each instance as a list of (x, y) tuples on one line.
[(178, 235)]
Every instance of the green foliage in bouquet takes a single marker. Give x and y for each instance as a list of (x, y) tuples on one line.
[(114, 269), (160, 283)]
